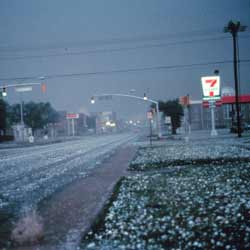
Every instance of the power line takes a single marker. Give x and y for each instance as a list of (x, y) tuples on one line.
[(145, 46), (96, 51), (131, 70), (112, 41)]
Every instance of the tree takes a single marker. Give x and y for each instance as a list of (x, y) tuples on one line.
[(39, 115), (173, 109), (14, 114), (36, 115)]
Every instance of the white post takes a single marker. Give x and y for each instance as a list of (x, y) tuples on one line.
[(186, 120), (22, 121), (21, 112), (202, 118), (186, 123), (212, 106), (158, 120), (73, 127), (189, 119), (68, 123)]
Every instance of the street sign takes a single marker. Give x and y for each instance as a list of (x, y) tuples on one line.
[(72, 116), (211, 87), (167, 120), (105, 97), (149, 115), (23, 89), (205, 104), (218, 103)]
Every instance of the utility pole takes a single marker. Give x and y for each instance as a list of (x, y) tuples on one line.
[(234, 28)]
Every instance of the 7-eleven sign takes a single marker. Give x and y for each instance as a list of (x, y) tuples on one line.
[(211, 87)]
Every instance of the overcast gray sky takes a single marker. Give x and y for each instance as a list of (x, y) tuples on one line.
[(89, 47)]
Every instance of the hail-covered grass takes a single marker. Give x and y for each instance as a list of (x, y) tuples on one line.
[(149, 158), (193, 207)]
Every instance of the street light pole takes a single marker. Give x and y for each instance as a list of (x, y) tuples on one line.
[(21, 112), (158, 120), (234, 28)]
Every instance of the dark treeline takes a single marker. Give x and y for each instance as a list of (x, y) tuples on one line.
[(35, 115)]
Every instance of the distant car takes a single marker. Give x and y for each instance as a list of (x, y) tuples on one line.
[(247, 126)]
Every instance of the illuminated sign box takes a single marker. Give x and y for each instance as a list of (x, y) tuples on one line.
[(72, 116), (211, 87)]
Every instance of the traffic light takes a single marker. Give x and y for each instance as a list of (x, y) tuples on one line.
[(92, 99), (43, 87), (4, 93)]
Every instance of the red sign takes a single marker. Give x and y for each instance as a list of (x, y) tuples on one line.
[(228, 100), (211, 87), (218, 103), (72, 116), (231, 99), (205, 104), (43, 87)]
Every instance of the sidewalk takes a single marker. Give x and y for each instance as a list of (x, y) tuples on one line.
[(70, 212)]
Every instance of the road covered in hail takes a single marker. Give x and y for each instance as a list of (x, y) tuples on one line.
[(30, 174)]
